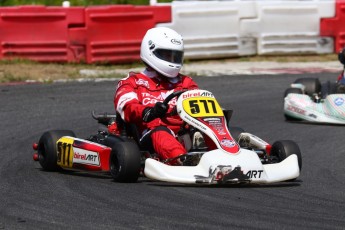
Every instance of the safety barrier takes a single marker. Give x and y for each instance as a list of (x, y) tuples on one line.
[(73, 34), (114, 33), (335, 27), (237, 28), (39, 33), (289, 27), (211, 28)]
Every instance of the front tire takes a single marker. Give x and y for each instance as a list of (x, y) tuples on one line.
[(329, 88), (47, 150), (285, 148), (125, 162)]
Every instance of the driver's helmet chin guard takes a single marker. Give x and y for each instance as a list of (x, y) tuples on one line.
[(162, 50)]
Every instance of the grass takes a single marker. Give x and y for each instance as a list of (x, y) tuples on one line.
[(24, 70)]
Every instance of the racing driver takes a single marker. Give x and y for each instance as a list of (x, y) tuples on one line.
[(138, 97), (341, 78)]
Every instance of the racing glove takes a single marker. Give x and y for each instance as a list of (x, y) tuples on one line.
[(151, 113)]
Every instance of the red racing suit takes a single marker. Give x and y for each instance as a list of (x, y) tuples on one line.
[(141, 90)]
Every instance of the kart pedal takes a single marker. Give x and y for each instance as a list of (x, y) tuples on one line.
[(198, 142)]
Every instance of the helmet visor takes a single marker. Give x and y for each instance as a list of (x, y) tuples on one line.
[(173, 56)]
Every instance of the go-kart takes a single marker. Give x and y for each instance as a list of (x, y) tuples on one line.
[(238, 156), (310, 101)]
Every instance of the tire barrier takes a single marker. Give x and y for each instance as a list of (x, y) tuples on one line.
[(211, 29)]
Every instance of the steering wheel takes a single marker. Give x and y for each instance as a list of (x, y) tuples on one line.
[(172, 95), (173, 112)]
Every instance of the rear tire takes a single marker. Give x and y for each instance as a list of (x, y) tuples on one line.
[(312, 85), (285, 148), (329, 88), (125, 162), (47, 150)]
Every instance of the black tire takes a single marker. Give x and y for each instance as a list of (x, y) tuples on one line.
[(312, 85), (290, 118), (235, 132), (329, 88), (47, 150), (125, 162), (282, 149), (292, 90)]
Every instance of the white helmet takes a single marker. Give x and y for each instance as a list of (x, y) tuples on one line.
[(162, 49)]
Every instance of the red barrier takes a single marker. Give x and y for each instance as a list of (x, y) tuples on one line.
[(114, 33), (42, 33), (335, 27)]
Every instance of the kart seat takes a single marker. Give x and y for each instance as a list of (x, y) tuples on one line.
[(128, 130)]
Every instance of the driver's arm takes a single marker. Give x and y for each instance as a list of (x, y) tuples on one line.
[(126, 102)]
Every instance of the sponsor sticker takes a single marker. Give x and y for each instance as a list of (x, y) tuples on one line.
[(196, 93), (339, 101), (254, 173), (296, 110), (176, 41), (228, 143), (312, 115), (226, 174), (82, 156), (142, 82)]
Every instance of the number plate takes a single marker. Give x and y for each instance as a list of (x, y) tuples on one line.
[(202, 107), (65, 152)]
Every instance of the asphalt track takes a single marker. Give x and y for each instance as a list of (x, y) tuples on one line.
[(34, 199)]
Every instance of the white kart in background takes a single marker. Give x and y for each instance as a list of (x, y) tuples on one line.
[(308, 100)]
